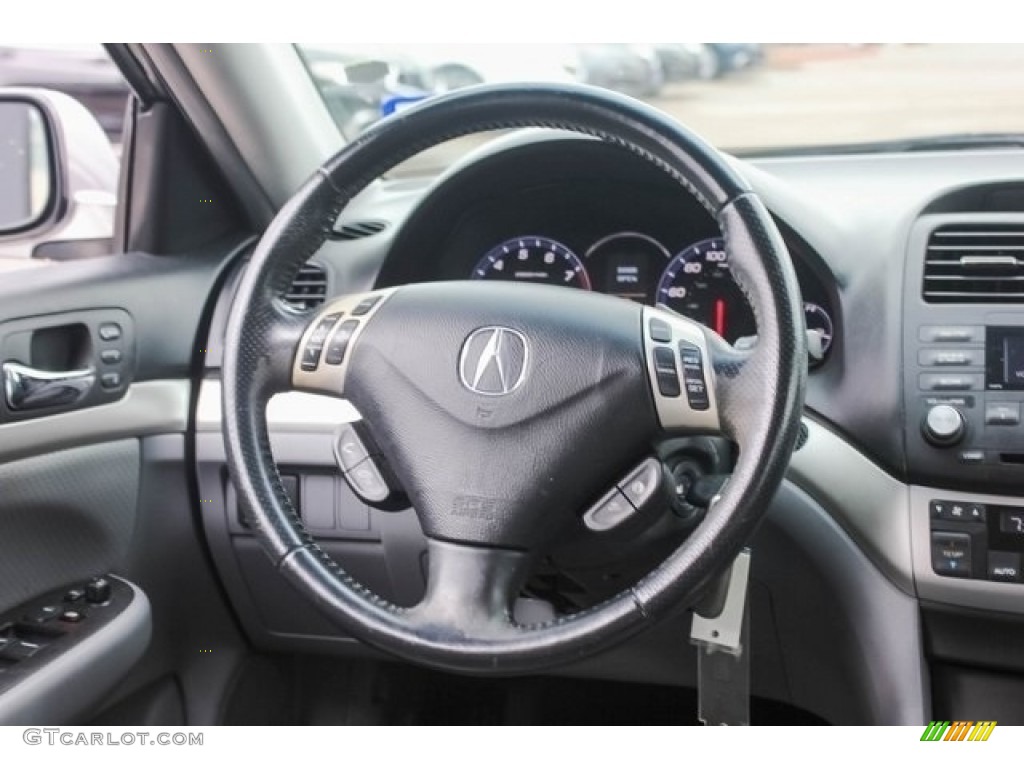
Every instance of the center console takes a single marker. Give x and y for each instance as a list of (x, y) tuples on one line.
[(964, 394)]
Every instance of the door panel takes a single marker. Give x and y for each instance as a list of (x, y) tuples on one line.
[(65, 516)]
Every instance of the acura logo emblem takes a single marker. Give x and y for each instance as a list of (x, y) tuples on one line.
[(493, 360)]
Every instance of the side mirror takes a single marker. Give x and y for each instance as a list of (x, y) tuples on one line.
[(28, 179), (58, 176)]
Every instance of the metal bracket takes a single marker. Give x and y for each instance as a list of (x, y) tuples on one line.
[(723, 648)]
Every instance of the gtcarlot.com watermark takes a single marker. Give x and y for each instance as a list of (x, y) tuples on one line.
[(71, 738)]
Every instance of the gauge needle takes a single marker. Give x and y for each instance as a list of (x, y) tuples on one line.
[(720, 317)]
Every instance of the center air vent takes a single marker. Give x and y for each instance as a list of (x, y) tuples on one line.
[(309, 288), (356, 230), (975, 264)]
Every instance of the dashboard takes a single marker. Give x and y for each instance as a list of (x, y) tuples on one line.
[(624, 233), (885, 539)]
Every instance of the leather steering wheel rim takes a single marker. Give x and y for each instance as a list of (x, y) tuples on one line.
[(760, 392)]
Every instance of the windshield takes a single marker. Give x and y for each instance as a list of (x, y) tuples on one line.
[(746, 98)]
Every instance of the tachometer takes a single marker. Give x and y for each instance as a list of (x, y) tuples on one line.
[(535, 260), (699, 284)]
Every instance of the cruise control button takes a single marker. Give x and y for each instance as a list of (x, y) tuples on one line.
[(693, 376), (74, 595), (1004, 566), (610, 511), (110, 380), (350, 449), (660, 330), (110, 356), (951, 554), (339, 342), (640, 485), (666, 372), (71, 616), (367, 481)]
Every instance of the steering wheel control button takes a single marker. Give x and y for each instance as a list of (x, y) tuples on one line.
[(365, 305), (693, 376), (315, 345), (1004, 566), (339, 342), (98, 590), (110, 332), (110, 356), (665, 370), (74, 595), (110, 380), (660, 331), (350, 449), (951, 554), (640, 485), (943, 425), (1002, 414), (610, 511), (367, 481), (72, 616)]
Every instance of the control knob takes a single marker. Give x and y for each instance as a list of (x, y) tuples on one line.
[(943, 426)]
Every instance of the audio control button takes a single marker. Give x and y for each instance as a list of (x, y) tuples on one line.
[(943, 425), (1002, 414), (960, 334)]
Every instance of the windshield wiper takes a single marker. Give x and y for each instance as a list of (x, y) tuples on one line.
[(950, 142)]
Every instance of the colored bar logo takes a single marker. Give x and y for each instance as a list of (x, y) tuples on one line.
[(959, 730)]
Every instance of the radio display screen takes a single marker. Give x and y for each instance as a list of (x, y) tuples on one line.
[(1004, 357)]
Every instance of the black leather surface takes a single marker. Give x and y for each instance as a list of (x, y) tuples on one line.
[(761, 395), (504, 471)]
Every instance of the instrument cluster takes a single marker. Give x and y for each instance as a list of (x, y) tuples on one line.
[(694, 280)]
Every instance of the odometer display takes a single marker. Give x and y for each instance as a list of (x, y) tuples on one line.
[(699, 284), (534, 260)]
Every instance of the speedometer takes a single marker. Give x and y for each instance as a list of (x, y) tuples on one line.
[(534, 260), (699, 284)]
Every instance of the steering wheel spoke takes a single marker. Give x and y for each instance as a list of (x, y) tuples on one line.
[(470, 589)]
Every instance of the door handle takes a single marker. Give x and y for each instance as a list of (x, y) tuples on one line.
[(28, 388)]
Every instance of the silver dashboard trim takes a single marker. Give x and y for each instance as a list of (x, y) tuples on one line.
[(865, 500), (147, 408), (286, 412)]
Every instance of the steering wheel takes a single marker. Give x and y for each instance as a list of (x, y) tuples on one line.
[(505, 410)]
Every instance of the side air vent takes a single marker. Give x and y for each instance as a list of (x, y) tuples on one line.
[(975, 264), (356, 230), (309, 288)]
